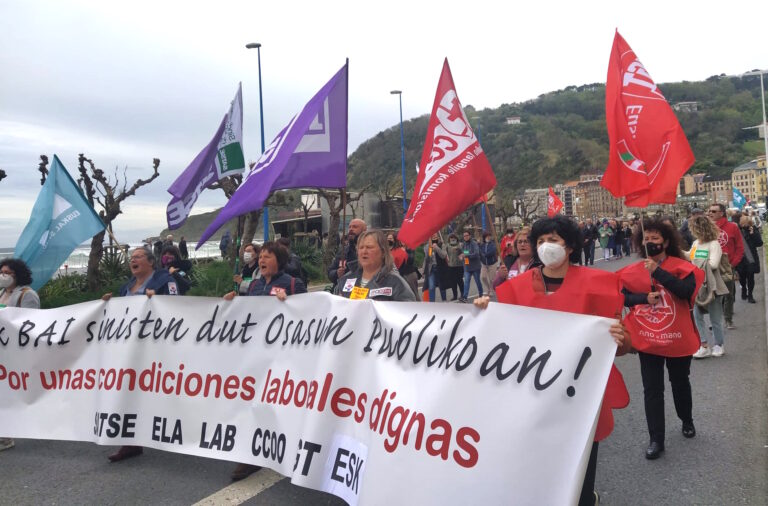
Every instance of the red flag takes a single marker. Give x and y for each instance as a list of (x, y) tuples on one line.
[(648, 149), (554, 204), (454, 170)]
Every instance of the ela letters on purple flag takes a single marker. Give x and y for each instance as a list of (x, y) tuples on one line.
[(310, 152)]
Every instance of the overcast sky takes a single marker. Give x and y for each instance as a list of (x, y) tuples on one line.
[(125, 82)]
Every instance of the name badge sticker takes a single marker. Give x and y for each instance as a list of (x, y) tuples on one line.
[(381, 292), (349, 285)]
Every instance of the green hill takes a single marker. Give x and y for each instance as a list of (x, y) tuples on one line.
[(562, 135), (195, 225)]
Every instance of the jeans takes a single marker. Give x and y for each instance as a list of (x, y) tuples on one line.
[(433, 283), (591, 249), (467, 279), (652, 372), (728, 300), (715, 309)]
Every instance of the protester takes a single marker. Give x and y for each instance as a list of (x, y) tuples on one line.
[(168, 240), (346, 259), (522, 261), (224, 244), (733, 246), (434, 269), (561, 286), (706, 252), (604, 235), (179, 268), (750, 263), (685, 231), (489, 262), (15, 278), (404, 262), (618, 239), (664, 283), (588, 242), (470, 255), (183, 248), (507, 245), (627, 238), (145, 280), (250, 270), (273, 257), (294, 267), (455, 274), (375, 276)]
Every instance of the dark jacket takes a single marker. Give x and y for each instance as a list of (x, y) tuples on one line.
[(282, 280), (488, 254), (182, 275), (294, 268), (348, 253), (183, 249), (472, 252), (752, 242), (161, 282), (384, 286)]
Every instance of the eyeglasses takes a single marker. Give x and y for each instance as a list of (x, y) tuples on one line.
[(713, 211), (137, 257), (523, 241)]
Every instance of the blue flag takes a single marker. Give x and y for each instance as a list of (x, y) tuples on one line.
[(739, 200), (61, 220)]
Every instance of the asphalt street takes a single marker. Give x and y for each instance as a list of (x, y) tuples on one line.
[(726, 463)]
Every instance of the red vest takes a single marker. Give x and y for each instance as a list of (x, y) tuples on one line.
[(584, 291), (666, 328)]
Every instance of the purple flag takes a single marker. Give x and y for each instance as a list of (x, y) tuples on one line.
[(310, 152), (222, 157)]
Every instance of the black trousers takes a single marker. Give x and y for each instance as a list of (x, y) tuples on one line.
[(652, 372), (587, 497)]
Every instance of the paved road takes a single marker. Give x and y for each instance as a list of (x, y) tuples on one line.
[(727, 462)]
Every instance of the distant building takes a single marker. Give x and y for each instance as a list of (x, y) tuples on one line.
[(590, 200), (513, 120), (686, 107), (691, 183), (718, 189), (750, 179)]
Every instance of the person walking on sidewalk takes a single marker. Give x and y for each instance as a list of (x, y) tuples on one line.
[(471, 257), (660, 290), (733, 246), (750, 264), (706, 254), (604, 235)]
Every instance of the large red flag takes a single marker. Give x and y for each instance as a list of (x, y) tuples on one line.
[(454, 170), (554, 204), (648, 149)]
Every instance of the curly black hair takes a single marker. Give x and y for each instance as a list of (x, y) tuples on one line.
[(20, 270), (565, 227), (667, 232)]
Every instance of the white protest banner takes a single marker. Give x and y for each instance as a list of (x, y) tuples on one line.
[(375, 402)]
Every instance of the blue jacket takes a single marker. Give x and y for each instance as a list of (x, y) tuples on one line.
[(280, 280), (488, 254), (472, 252), (161, 282)]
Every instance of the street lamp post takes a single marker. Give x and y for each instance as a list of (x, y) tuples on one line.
[(399, 94), (257, 46)]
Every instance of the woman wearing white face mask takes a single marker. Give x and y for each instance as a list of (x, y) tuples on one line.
[(560, 286), (15, 277), (250, 268)]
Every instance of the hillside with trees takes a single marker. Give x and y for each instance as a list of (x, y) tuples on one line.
[(562, 135)]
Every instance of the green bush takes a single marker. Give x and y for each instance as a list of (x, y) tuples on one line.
[(212, 279), (311, 259), (73, 289)]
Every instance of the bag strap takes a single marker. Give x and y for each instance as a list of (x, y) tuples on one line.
[(293, 285), (23, 292)]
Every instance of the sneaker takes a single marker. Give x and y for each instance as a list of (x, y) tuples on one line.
[(703, 352), (6, 443), (717, 351), (751, 300), (730, 325), (462, 300)]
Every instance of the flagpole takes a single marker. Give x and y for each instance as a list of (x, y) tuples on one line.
[(257, 46)]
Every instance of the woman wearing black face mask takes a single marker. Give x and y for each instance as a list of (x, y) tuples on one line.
[(660, 291)]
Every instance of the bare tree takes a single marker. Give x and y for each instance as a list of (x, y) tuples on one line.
[(109, 194), (306, 207)]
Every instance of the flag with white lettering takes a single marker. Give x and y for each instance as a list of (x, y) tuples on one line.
[(648, 149), (310, 152), (222, 157), (61, 220), (455, 172), (554, 204)]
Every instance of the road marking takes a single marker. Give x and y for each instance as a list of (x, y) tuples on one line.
[(242, 490)]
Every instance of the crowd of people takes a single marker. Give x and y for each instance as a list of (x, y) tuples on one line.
[(693, 269)]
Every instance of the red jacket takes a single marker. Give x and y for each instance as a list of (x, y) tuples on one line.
[(730, 240)]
